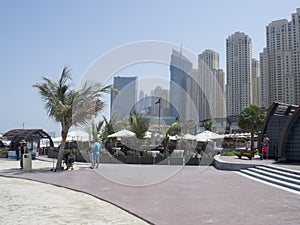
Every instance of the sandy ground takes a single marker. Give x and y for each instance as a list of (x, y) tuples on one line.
[(29, 202)]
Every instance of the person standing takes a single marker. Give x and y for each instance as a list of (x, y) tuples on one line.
[(265, 146), (23, 148), (90, 150), (96, 154)]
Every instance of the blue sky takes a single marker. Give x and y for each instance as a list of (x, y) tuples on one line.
[(38, 38)]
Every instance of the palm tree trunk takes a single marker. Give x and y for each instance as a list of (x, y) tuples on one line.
[(64, 134), (252, 140)]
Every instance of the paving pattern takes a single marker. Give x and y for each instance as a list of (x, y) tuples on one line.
[(192, 195)]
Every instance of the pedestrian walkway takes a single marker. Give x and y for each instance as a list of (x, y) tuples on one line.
[(192, 195), (30, 202)]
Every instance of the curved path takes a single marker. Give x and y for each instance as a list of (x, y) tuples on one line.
[(194, 195)]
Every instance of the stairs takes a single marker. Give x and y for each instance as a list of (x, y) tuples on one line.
[(279, 176)]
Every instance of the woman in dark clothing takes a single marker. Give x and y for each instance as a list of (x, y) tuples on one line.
[(23, 151)]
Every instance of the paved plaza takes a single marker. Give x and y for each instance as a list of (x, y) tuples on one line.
[(174, 194)]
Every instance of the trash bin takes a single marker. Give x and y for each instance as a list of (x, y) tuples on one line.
[(27, 161)]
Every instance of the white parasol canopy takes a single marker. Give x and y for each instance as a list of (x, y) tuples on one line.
[(208, 135), (189, 137), (78, 135), (122, 133)]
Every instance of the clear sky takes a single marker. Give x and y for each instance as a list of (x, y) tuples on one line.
[(38, 38)]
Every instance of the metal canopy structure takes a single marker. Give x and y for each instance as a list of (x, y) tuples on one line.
[(28, 135), (282, 126)]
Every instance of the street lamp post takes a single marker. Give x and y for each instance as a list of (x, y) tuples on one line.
[(159, 106)]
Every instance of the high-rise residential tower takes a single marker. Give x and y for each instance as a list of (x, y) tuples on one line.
[(239, 73), (162, 95), (180, 67), (124, 100), (280, 62), (256, 82), (212, 80)]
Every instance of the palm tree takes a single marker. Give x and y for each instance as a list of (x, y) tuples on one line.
[(251, 119), (70, 107), (210, 125), (175, 129), (139, 124), (96, 128)]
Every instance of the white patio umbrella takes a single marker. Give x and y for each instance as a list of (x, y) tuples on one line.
[(174, 138), (78, 135), (208, 135), (189, 137), (122, 133)]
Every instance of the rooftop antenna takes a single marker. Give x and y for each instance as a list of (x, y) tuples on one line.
[(180, 49)]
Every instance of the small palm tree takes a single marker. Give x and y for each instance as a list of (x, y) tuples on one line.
[(251, 119), (139, 124), (175, 129), (70, 107), (210, 125)]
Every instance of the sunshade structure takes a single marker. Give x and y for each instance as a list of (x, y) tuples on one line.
[(207, 135), (189, 137), (79, 135), (122, 134), (29, 135)]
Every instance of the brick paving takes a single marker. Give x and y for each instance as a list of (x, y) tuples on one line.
[(192, 195)]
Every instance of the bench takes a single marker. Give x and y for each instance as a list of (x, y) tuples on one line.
[(247, 153)]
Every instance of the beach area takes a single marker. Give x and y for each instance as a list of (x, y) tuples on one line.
[(30, 202)]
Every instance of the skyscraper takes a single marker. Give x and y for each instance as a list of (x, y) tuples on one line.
[(280, 62), (239, 73), (123, 101), (212, 80), (256, 82), (180, 67), (162, 95)]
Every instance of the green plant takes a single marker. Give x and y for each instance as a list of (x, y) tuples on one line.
[(230, 153), (159, 155), (148, 154), (132, 153), (119, 154), (139, 124), (251, 120)]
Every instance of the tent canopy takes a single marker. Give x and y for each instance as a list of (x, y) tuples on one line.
[(207, 135), (122, 133)]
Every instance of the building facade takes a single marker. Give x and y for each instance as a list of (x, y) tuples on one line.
[(239, 73), (212, 80), (256, 82), (125, 99), (160, 96), (280, 62), (180, 68)]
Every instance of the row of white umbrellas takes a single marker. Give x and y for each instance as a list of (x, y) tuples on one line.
[(203, 136)]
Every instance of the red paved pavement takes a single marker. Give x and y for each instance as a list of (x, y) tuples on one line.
[(195, 195)]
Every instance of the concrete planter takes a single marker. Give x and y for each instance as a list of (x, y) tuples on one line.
[(132, 160), (206, 161), (105, 159), (176, 161), (146, 160), (192, 161), (161, 160), (117, 159)]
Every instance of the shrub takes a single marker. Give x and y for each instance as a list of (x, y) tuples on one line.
[(119, 154), (230, 153), (132, 153)]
